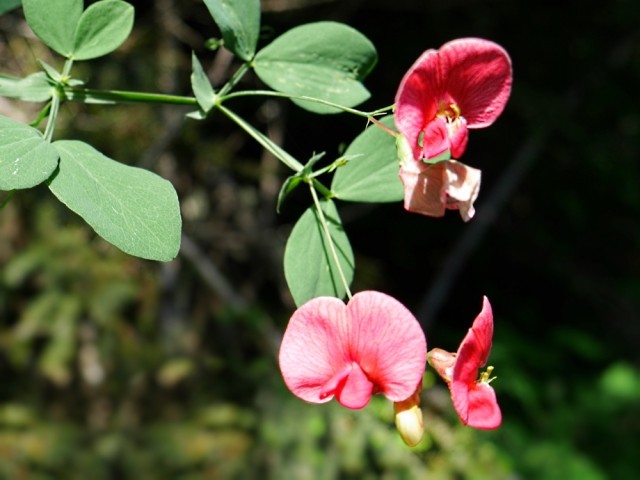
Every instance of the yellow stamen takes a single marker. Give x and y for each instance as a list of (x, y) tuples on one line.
[(486, 376)]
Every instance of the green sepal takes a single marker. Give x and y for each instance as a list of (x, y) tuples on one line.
[(202, 89)]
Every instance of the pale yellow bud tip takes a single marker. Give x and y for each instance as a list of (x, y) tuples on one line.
[(409, 423)]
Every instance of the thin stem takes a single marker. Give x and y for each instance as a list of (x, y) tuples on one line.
[(53, 115), (66, 69), (233, 81), (88, 95), (263, 140), (327, 234), (378, 123), (7, 199)]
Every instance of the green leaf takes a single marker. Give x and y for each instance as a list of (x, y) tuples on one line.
[(54, 22), (33, 88), (134, 209), (26, 158), (325, 60), (371, 175), (102, 28), (309, 266), (239, 22), (6, 5), (202, 89)]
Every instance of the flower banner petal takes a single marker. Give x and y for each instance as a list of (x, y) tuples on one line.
[(478, 74), (312, 349), (388, 342)]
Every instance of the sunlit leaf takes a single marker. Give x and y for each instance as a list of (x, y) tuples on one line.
[(26, 158), (325, 60), (134, 209), (371, 174), (309, 265)]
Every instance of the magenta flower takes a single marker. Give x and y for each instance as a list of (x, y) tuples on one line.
[(350, 352), (465, 84), (473, 398)]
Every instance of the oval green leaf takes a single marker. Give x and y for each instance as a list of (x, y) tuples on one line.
[(54, 22), (102, 28), (239, 23), (134, 209), (309, 265), (371, 174), (26, 158), (324, 60)]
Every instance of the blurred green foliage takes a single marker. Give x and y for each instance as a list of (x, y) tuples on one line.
[(114, 367)]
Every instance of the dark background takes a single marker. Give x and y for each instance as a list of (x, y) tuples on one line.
[(115, 367)]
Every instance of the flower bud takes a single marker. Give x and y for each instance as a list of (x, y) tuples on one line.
[(408, 417)]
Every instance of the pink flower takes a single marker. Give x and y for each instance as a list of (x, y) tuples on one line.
[(432, 188), (463, 85), (350, 352), (474, 399)]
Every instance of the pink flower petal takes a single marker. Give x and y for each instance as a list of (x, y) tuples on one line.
[(478, 78), (458, 136), (388, 343), (475, 347), (442, 362), (357, 389), (476, 404), (483, 411), (461, 187), (312, 350), (417, 99), (436, 139), (423, 188), (430, 189)]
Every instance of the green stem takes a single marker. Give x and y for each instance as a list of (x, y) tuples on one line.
[(263, 140), (88, 95), (66, 69), (326, 193), (7, 199), (327, 234), (233, 81), (53, 115)]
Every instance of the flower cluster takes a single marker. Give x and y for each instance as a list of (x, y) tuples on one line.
[(463, 85), (373, 344)]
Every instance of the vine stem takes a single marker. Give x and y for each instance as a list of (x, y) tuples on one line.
[(274, 149), (325, 229), (88, 95), (53, 115)]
